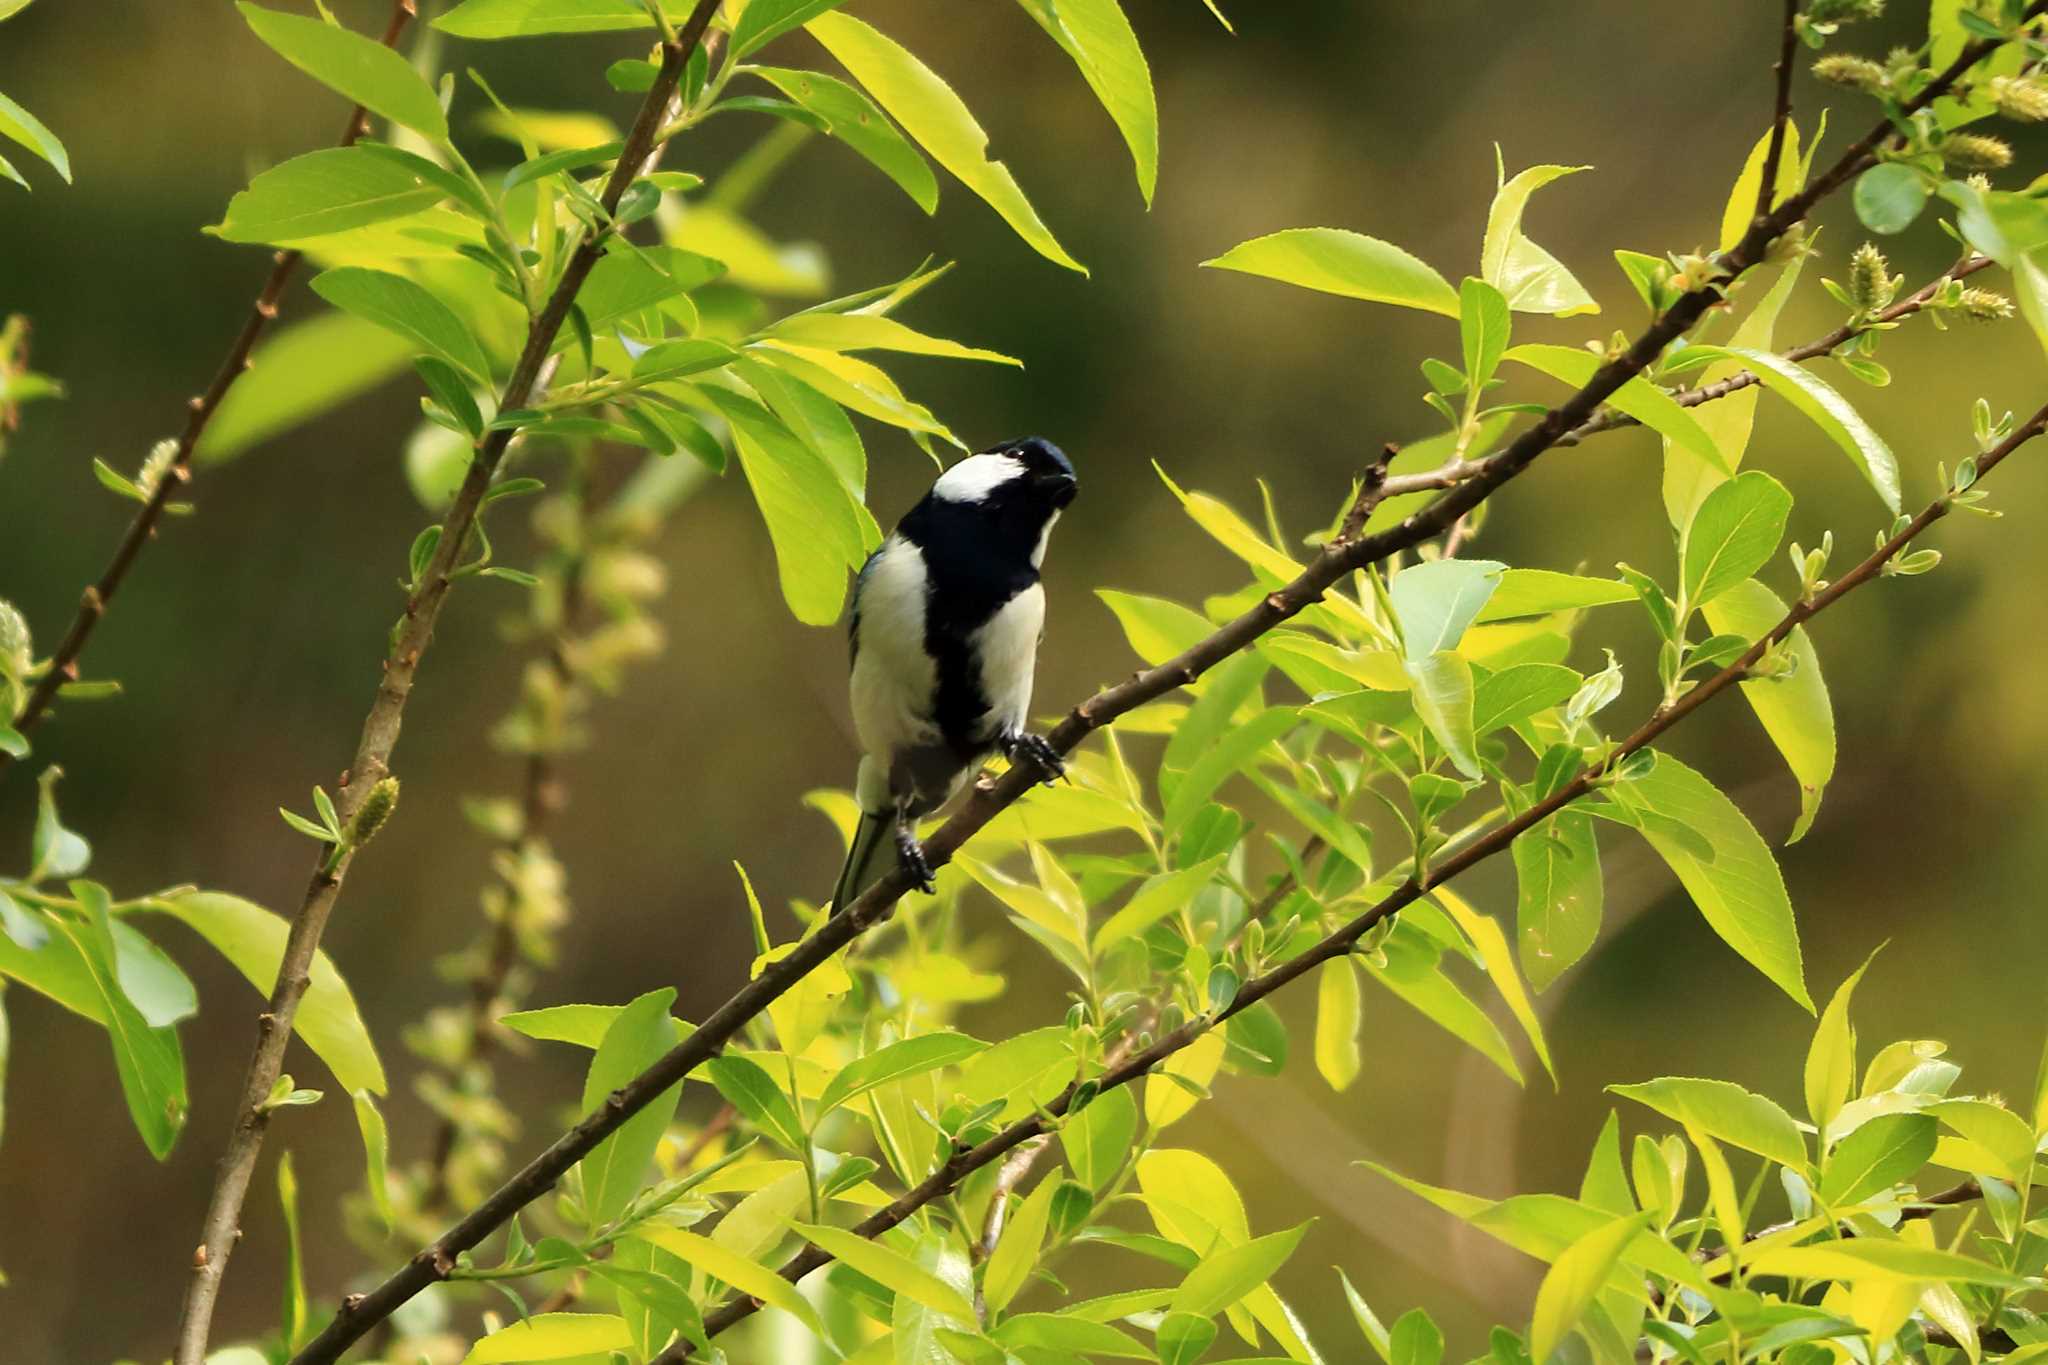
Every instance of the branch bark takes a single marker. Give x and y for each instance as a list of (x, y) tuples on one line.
[(381, 726), (1781, 112), (991, 795), (199, 409), (963, 1163)]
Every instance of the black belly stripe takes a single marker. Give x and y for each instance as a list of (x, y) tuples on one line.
[(974, 565)]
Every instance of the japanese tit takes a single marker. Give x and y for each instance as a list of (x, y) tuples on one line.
[(947, 616)]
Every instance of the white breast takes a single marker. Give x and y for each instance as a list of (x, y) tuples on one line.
[(1008, 650), (893, 676)]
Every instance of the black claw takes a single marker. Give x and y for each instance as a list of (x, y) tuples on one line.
[(910, 853), (1039, 750)]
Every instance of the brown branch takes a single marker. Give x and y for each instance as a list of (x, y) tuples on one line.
[(1781, 113), (381, 726), (991, 795), (199, 410), (962, 1163)]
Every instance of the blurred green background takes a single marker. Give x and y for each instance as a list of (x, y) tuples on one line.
[(248, 639)]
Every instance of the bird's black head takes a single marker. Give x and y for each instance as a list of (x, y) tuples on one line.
[(1025, 475), (1005, 498)]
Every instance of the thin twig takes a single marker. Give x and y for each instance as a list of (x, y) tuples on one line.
[(1781, 114), (1339, 944), (381, 725), (991, 795), (199, 411)]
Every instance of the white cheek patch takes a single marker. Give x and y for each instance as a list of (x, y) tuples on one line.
[(1038, 550), (975, 477)]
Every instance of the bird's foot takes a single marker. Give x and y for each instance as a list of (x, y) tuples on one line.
[(1022, 745), (910, 853)]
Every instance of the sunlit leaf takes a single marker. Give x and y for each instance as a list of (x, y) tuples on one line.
[(926, 107), (1348, 263)]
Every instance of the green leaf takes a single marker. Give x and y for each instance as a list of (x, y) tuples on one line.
[(54, 850), (1559, 895), (1227, 1276), (552, 1336), (1159, 896), (1098, 37), (1725, 1110), (1687, 477), (325, 192), (154, 984), (305, 371), (1826, 408), (626, 282), (376, 1155), (763, 21), (920, 1331), (1238, 749), (872, 332), (400, 306), (1638, 398), (853, 118), (1443, 698), (1831, 1058), (749, 1277), (930, 112), (1183, 1338), (583, 1025), (617, 1167), (1877, 1156), (252, 938), (1735, 532), (1436, 601), (1499, 962), (531, 18), (1531, 278), (364, 70), (1413, 971), (1795, 709), (1569, 1287), (1067, 1336), (1098, 1139), (1742, 199), (294, 1325), (1889, 197), (1738, 890), (21, 126), (889, 1268), (1871, 1258), (1483, 325), (1016, 1252), (755, 1094), (1538, 592), (1518, 692), (895, 1062), (148, 1060), (816, 528), (1339, 1009), (1605, 1184), (1347, 263), (1369, 1324)]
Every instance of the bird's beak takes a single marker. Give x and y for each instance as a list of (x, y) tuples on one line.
[(1061, 488)]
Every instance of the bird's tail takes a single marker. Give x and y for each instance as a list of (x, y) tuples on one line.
[(872, 852), (868, 859)]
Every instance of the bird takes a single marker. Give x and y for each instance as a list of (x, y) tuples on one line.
[(945, 625)]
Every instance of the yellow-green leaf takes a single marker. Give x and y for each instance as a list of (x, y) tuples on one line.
[(928, 109), (889, 1268), (1350, 264)]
